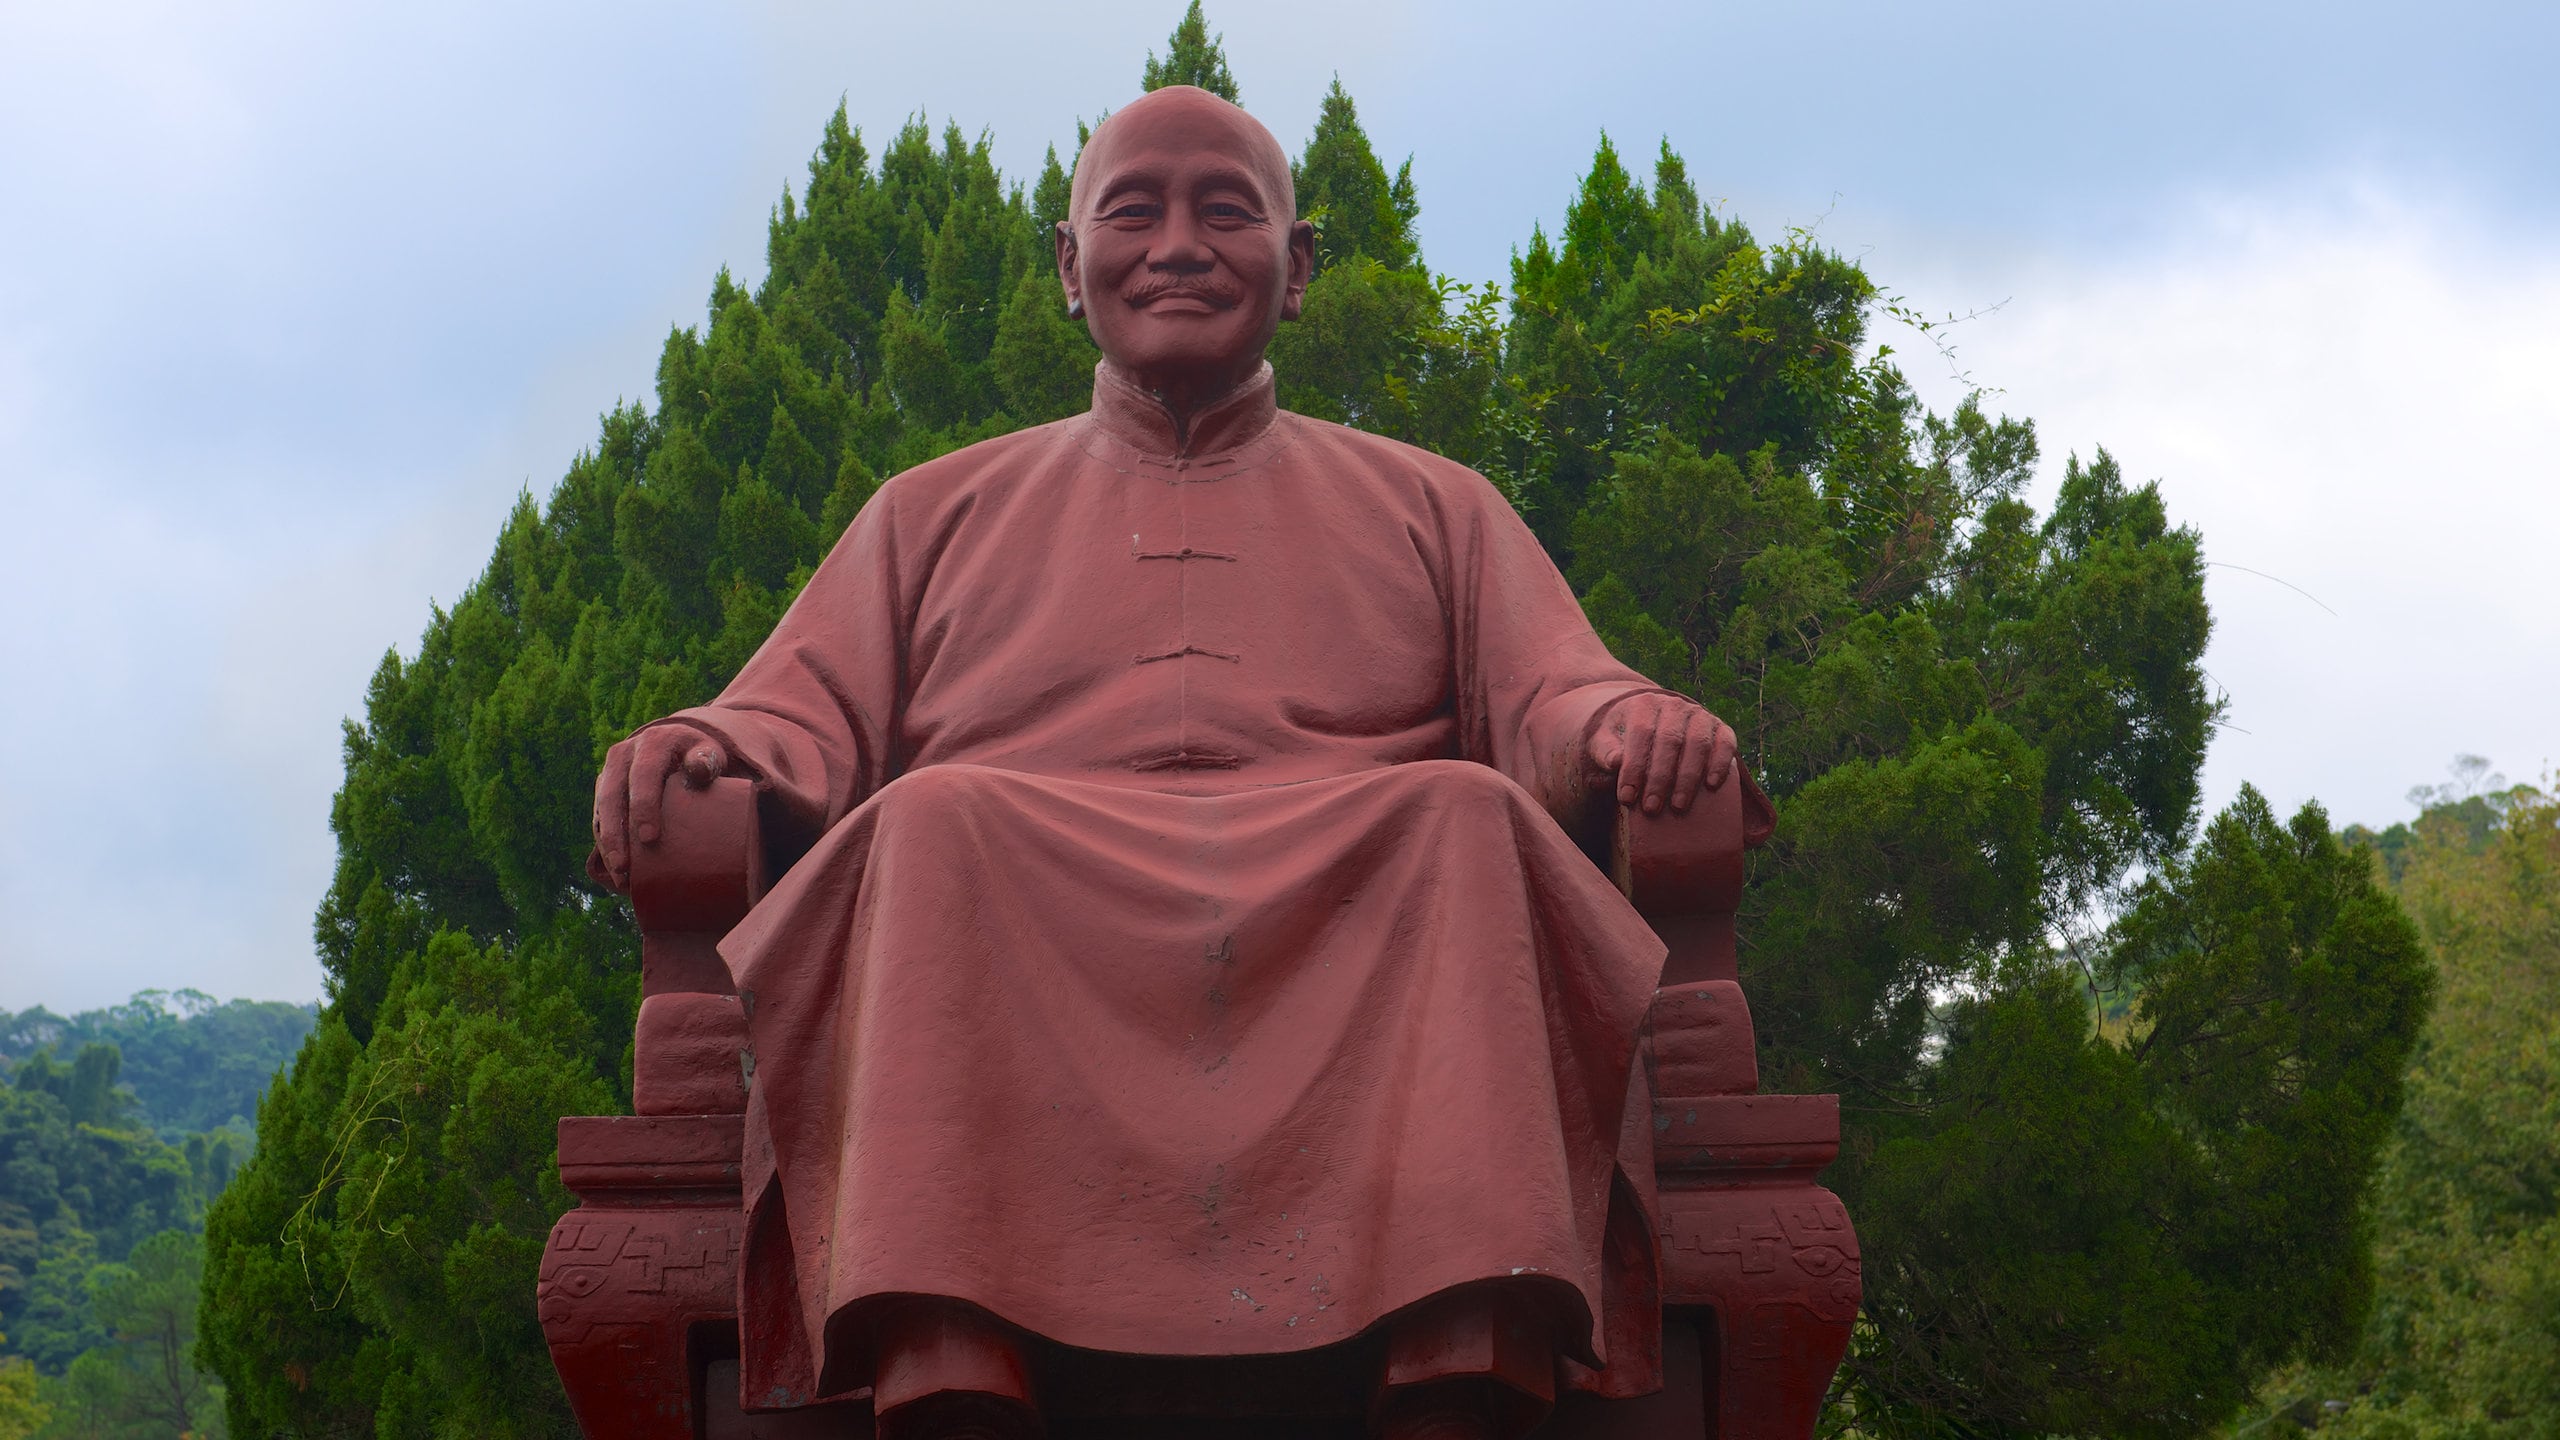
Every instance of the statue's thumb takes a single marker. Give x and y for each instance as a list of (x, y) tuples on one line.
[(1607, 750), (702, 765)]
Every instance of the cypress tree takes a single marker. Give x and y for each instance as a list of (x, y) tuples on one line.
[(1192, 57), (1343, 189), (1043, 361), (1049, 196)]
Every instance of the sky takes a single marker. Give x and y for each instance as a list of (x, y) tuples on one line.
[(296, 298)]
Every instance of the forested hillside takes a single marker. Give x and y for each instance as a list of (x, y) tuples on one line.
[(192, 1062), (100, 1218), (1978, 722)]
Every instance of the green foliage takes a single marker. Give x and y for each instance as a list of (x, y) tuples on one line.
[(1192, 58), (86, 1087), (367, 1269), (193, 1064), (98, 1256), (22, 1407), (54, 1324), (2472, 804), (1656, 318), (144, 1384), (80, 1182), (1418, 357), (1043, 361), (2464, 1341), (2156, 1203), (1977, 723), (1345, 193)]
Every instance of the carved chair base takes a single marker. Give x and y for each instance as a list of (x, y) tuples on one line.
[(638, 1287), (638, 1299)]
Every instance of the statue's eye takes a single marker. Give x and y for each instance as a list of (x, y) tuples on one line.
[(1131, 210), (1228, 210)]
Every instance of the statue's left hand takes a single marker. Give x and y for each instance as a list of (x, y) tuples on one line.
[(1660, 750), (633, 786)]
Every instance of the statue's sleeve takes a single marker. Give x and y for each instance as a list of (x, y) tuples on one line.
[(812, 716), (1533, 678)]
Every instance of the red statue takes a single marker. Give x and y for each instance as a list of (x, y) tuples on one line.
[(1181, 952)]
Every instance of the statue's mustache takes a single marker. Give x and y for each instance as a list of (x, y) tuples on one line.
[(1200, 287)]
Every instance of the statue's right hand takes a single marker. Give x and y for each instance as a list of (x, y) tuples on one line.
[(632, 789)]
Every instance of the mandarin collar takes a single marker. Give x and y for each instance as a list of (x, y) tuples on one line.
[(1136, 418)]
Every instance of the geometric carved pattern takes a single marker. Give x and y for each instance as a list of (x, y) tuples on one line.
[(621, 1293), (1777, 1263), (1798, 1236), (598, 1258)]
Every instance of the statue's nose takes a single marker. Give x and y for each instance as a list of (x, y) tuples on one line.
[(1179, 245)]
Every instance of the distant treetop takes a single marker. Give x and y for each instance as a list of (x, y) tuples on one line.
[(192, 1062), (1342, 186), (1193, 57)]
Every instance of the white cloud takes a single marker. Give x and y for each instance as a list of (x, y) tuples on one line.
[(2352, 386)]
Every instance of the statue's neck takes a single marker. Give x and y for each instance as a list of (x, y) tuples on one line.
[(1185, 419), (1186, 394)]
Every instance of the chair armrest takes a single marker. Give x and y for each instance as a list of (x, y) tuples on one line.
[(700, 877), (1683, 873)]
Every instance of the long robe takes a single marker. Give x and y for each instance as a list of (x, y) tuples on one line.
[(1186, 959)]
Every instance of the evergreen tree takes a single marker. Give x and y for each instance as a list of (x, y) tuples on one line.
[(2229, 1139), (54, 1323), (1049, 197), (1192, 57), (1042, 361), (1345, 192), (81, 1183)]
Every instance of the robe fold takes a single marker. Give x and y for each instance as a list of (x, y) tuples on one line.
[(1186, 957)]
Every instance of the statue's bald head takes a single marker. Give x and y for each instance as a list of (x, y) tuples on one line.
[(1182, 248), (1194, 115)]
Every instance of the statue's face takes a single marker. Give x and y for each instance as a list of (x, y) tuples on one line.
[(1182, 251)]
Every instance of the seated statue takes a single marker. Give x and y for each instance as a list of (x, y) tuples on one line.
[(1183, 953)]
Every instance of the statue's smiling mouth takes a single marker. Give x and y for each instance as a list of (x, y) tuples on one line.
[(1182, 298)]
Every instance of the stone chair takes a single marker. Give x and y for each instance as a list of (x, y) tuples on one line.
[(1760, 1283)]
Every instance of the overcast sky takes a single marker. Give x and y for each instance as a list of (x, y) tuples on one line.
[(295, 298)]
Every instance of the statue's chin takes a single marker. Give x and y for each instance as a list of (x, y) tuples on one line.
[(1183, 346)]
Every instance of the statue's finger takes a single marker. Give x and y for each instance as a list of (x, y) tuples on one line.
[(659, 754), (1662, 766), (1728, 747), (1696, 749), (1636, 753), (613, 814)]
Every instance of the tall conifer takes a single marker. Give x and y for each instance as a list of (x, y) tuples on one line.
[(1192, 57), (1343, 188)]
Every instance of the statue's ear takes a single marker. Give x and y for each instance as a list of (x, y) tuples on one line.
[(1302, 268), (1069, 278)]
